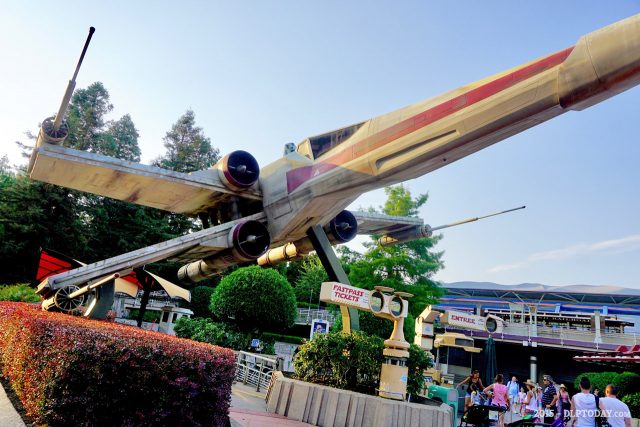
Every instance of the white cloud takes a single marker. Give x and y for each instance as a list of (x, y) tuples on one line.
[(625, 244)]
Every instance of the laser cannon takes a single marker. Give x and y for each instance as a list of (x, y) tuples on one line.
[(341, 229), (422, 231)]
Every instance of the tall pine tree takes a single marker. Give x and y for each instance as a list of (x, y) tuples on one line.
[(409, 266), (188, 149)]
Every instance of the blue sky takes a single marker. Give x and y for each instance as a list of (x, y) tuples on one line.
[(261, 74)]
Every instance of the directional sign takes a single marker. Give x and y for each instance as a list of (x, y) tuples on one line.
[(472, 322), (337, 293)]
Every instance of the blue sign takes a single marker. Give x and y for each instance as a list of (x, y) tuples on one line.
[(255, 342)]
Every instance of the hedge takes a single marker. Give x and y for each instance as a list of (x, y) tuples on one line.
[(633, 401), (291, 339), (353, 362), (626, 382), (72, 371), (18, 293)]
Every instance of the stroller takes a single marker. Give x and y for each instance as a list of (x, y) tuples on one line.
[(481, 414)]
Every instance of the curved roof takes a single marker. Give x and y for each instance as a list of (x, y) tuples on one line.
[(585, 294)]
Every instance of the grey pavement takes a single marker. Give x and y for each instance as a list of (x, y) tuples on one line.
[(8, 415), (248, 409)]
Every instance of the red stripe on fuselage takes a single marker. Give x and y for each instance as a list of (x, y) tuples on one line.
[(297, 177)]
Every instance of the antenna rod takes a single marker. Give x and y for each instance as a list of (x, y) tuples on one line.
[(71, 86), (464, 221)]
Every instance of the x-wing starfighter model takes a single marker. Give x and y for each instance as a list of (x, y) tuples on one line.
[(250, 212)]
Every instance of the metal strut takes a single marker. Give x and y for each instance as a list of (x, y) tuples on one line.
[(336, 273)]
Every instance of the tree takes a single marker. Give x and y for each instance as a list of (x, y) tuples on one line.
[(188, 149), (200, 300), (121, 140), (312, 275), (86, 118), (255, 299), (405, 267)]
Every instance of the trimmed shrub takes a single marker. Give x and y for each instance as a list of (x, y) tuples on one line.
[(149, 315), (255, 298), (18, 293), (271, 337), (348, 361), (627, 382), (72, 371), (353, 362), (633, 401), (206, 330)]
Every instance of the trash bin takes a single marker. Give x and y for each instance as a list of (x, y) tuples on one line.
[(446, 395)]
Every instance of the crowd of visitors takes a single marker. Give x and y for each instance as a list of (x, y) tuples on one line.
[(550, 401)]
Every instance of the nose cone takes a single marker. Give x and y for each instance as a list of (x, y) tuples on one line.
[(602, 64)]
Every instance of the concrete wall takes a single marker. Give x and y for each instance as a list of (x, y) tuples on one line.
[(326, 406)]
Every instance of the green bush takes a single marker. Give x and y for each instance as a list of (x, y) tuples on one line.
[(419, 360), (626, 382), (269, 336), (255, 298), (348, 361), (200, 300), (633, 401), (353, 362), (19, 293), (149, 315), (68, 371), (216, 333)]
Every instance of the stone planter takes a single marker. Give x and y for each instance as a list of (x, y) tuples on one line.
[(326, 406)]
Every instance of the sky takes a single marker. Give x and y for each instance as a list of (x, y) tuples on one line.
[(261, 74)]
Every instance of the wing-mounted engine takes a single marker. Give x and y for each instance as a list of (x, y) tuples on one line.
[(341, 229), (247, 241), (238, 170)]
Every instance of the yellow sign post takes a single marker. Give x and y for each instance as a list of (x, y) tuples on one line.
[(382, 302)]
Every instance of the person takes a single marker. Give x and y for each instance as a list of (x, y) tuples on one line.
[(596, 392), (522, 396), (616, 411), (564, 401), (531, 399), (583, 406), (512, 388), (475, 384), (549, 399), (500, 396)]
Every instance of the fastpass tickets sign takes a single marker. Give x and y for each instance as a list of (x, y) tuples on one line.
[(337, 293)]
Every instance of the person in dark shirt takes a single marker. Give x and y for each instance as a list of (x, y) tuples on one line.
[(549, 399)]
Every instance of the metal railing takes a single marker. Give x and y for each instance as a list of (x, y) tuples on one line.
[(566, 334), (255, 369), (306, 315)]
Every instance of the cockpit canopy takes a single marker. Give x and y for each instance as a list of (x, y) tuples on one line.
[(316, 146)]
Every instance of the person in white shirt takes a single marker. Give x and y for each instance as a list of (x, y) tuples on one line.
[(616, 411), (583, 406)]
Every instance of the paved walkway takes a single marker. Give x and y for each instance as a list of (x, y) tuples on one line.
[(8, 415), (248, 409)]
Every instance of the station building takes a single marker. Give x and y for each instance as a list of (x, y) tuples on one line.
[(545, 326)]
